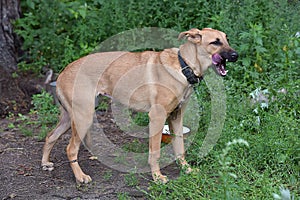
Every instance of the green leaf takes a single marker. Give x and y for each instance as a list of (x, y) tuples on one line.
[(82, 12), (246, 61), (30, 4)]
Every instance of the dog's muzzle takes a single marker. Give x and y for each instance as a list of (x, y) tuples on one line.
[(219, 61)]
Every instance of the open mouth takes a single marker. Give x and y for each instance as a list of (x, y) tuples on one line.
[(220, 64)]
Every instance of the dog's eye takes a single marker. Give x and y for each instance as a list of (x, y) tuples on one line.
[(217, 42)]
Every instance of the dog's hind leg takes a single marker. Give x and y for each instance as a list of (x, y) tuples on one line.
[(81, 123), (157, 117), (63, 125)]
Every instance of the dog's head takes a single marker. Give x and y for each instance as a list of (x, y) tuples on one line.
[(205, 48)]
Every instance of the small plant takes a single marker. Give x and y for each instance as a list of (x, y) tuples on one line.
[(11, 125), (254, 44), (107, 175), (14, 75), (84, 187), (260, 101), (131, 178), (285, 194), (46, 112), (136, 146), (225, 162), (102, 103), (140, 118), (123, 196)]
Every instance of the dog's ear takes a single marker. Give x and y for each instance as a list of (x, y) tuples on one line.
[(193, 35)]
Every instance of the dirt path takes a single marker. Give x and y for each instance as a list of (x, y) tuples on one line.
[(22, 177)]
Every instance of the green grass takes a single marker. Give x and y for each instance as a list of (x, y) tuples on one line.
[(123, 196), (136, 146)]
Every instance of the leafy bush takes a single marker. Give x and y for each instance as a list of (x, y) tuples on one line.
[(58, 32)]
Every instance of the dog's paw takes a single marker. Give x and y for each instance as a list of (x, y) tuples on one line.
[(188, 169), (159, 178), (48, 166), (83, 178), (192, 170)]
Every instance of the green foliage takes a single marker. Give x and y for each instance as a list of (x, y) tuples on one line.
[(123, 196), (226, 162), (131, 178), (140, 118), (47, 112), (107, 175), (45, 108), (58, 32), (47, 116), (136, 146), (102, 103)]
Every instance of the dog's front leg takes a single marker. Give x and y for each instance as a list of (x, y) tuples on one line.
[(175, 122), (157, 116)]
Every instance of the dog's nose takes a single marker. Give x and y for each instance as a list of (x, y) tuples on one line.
[(234, 56)]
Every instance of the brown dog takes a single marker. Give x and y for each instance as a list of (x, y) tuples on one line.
[(153, 82)]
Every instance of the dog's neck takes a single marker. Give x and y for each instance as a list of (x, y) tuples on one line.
[(196, 58), (188, 72)]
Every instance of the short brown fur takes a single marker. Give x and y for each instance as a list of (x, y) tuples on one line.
[(146, 81)]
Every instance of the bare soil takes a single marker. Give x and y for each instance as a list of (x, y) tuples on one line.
[(16, 90), (23, 178)]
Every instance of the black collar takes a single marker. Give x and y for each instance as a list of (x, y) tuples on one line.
[(188, 72)]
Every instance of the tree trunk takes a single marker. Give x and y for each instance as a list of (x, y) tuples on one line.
[(16, 88), (11, 96), (9, 42)]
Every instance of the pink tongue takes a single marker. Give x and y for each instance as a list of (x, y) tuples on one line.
[(216, 59)]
